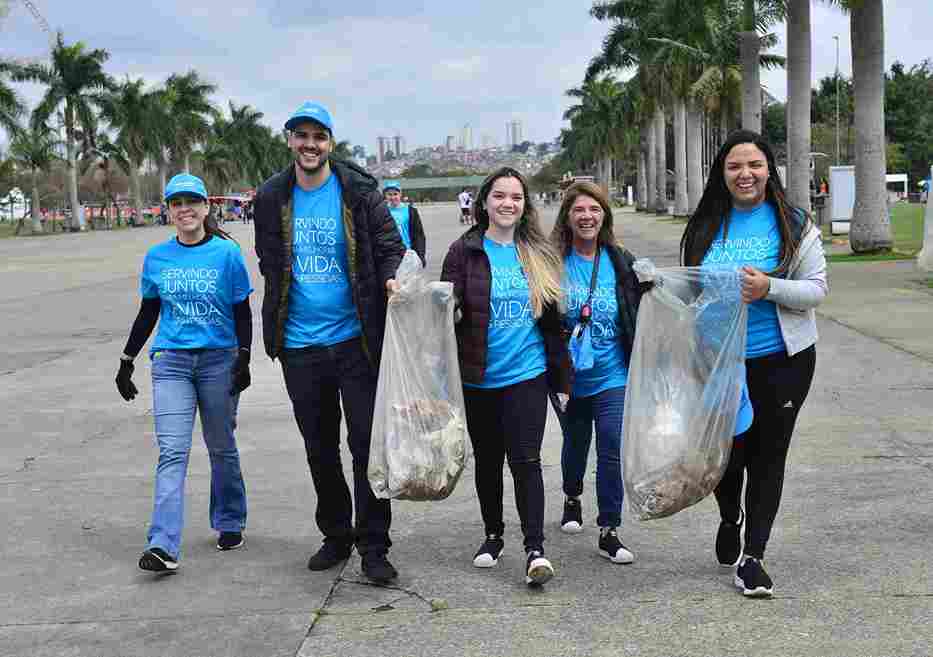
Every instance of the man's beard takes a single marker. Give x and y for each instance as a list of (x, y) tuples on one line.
[(310, 171)]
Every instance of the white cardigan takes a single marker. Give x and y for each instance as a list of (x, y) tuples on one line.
[(797, 295)]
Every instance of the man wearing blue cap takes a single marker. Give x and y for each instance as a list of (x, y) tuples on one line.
[(328, 249), (406, 219)]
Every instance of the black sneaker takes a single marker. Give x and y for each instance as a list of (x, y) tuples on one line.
[(611, 547), (572, 520), (729, 542), (328, 556), (157, 560), (538, 570), (377, 568), (230, 541), (488, 554), (751, 577)]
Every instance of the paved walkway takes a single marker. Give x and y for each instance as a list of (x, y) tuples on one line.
[(850, 552)]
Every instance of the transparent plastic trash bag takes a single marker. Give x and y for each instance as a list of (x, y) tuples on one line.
[(419, 443), (684, 388)]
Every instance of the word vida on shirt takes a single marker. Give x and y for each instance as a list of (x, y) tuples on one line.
[(316, 258), (183, 289), (511, 307)]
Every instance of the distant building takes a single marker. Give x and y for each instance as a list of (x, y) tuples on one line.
[(382, 149), (451, 143), (515, 132), (399, 145), (467, 137)]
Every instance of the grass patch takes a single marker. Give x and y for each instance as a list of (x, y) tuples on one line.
[(7, 230), (876, 257), (668, 219), (906, 231)]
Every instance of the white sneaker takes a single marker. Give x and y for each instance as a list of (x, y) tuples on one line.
[(539, 570), (612, 548), (571, 521)]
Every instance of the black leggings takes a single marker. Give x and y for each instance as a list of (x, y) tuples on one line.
[(777, 386), (509, 422)]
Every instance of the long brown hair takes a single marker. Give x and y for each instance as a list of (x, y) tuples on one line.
[(716, 204), (211, 227), (562, 235), (541, 263)]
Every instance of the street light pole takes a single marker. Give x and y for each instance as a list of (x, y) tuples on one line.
[(837, 99)]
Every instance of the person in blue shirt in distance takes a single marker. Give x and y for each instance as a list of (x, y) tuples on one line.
[(196, 287), (406, 218)]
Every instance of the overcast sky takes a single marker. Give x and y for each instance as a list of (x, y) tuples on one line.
[(417, 68)]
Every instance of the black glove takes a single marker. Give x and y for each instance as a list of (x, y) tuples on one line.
[(125, 380), (646, 286), (241, 377)]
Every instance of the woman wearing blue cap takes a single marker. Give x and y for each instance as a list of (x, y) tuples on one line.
[(406, 218), (196, 287)]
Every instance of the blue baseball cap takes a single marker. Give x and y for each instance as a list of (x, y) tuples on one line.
[(185, 183), (391, 184), (311, 112)]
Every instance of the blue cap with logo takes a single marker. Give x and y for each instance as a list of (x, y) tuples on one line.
[(185, 183), (391, 184), (311, 112)]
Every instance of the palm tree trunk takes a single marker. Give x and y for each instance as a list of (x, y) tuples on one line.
[(137, 191), (641, 177), (750, 48), (36, 208), (871, 226), (660, 146), (77, 216), (694, 155), (652, 195), (187, 162), (681, 202), (799, 73)]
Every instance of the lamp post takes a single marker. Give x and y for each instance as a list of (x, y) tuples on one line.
[(837, 99)]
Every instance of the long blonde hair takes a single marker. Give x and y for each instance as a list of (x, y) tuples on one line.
[(541, 263)]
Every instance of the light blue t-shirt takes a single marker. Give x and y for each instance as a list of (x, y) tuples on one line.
[(515, 346), (321, 311), (609, 370), (198, 287), (402, 217), (754, 239)]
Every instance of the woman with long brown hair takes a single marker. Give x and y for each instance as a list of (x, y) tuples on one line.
[(744, 220), (603, 295), (506, 278)]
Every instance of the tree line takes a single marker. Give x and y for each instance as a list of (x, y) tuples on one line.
[(696, 77), (114, 125)]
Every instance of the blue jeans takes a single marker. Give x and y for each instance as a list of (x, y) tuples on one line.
[(185, 381), (605, 409)]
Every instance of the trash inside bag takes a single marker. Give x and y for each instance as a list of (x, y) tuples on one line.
[(685, 382), (419, 443)]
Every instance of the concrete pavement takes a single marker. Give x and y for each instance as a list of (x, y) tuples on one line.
[(849, 554)]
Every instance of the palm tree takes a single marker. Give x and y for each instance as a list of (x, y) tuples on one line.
[(757, 15), (11, 107), (599, 119), (131, 111), (188, 108), (870, 229), (73, 77), (34, 148), (799, 63), (343, 150), (99, 152)]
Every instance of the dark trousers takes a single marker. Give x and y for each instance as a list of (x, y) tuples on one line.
[(509, 423), (314, 376), (777, 386)]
